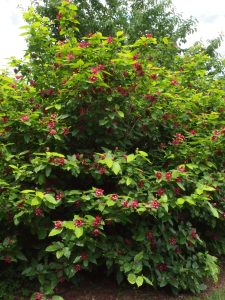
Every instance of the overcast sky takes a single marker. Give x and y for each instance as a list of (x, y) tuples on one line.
[(211, 16)]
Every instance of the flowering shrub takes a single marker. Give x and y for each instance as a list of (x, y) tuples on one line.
[(110, 160)]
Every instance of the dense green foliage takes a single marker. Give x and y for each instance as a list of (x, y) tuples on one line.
[(135, 18), (110, 160)]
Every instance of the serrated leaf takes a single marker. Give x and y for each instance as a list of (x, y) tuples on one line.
[(131, 278)]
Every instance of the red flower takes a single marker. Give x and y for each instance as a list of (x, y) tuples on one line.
[(59, 16), (79, 223), (134, 203), (101, 67), (149, 235), (109, 40), (114, 197), (149, 35), (97, 221), (94, 70), (51, 124), (84, 44), (66, 131), (160, 192), (84, 256), (70, 56), (24, 118), (5, 119), (53, 116), (58, 224), (38, 212), (181, 168), (154, 76), (8, 259), (102, 170), (125, 203), (158, 175), (172, 241), (179, 138), (52, 132), (77, 268), (162, 267), (38, 296), (154, 204), (177, 191), (59, 196), (137, 66), (96, 232), (179, 179), (174, 82), (99, 192), (193, 233), (93, 78), (192, 131), (135, 56), (150, 97), (168, 175)]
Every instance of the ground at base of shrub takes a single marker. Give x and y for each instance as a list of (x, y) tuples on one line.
[(104, 289)]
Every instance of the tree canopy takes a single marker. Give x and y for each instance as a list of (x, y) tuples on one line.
[(135, 18)]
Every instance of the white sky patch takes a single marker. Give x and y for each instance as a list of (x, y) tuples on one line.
[(210, 14)]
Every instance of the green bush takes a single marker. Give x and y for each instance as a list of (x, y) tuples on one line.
[(110, 160)]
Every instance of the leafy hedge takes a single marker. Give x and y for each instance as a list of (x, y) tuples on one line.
[(112, 157)]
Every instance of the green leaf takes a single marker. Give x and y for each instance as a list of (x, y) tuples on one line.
[(213, 210), (130, 157), (78, 232), (116, 167), (49, 198), (57, 298), (35, 201), (59, 253), (138, 256), (147, 280), (165, 40), (55, 231), (109, 162), (131, 278), (119, 33), (139, 281), (69, 225), (120, 113), (142, 153), (180, 201), (40, 195), (128, 181), (51, 248)]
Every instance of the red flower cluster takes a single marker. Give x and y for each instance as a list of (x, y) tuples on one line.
[(38, 296), (134, 203), (168, 176), (172, 241), (59, 196), (99, 192), (179, 138), (24, 118), (38, 212), (150, 97), (97, 221), (79, 223), (160, 192), (158, 175), (154, 204), (58, 224), (83, 44), (57, 160), (114, 197)]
